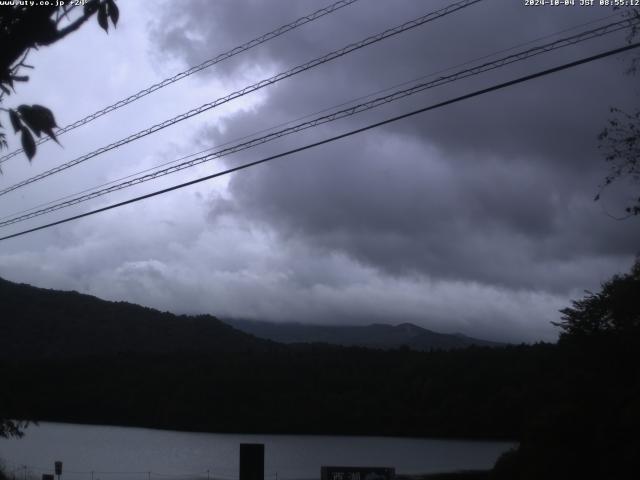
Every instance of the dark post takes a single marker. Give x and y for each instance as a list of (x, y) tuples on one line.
[(252, 461), (58, 468)]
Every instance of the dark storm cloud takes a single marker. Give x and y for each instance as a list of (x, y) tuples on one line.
[(496, 190)]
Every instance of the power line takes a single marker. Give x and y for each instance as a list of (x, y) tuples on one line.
[(397, 95), (252, 88), (336, 137), (288, 122), (206, 64)]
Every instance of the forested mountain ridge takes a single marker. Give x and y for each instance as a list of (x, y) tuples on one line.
[(124, 364), (42, 323)]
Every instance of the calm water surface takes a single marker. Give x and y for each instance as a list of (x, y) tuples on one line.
[(122, 453)]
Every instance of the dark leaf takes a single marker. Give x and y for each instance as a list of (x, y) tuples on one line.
[(597, 197), (45, 115), (15, 120), (91, 7), (103, 17), (28, 144), (39, 119), (5, 89), (114, 12), (48, 121), (30, 119), (20, 78)]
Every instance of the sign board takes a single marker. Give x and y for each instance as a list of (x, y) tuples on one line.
[(357, 473), (47, 476), (58, 466)]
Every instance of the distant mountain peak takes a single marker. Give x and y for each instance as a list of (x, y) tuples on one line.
[(412, 329), (375, 335)]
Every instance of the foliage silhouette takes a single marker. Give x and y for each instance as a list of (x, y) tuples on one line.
[(613, 310), (620, 139), (24, 27), (588, 426), (11, 428)]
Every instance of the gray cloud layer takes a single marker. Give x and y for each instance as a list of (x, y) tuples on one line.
[(495, 190), (477, 217)]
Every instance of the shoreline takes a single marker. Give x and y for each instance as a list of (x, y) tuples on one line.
[(306, 434)]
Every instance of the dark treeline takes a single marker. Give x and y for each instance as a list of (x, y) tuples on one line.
[(573, 406), (477, 392), (589, 424)]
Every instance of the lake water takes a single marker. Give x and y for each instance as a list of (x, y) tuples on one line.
[(122, 453)]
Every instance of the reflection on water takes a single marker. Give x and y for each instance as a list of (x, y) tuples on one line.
[(92, 452)]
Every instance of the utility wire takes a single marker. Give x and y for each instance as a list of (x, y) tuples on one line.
[(289, 122), (206, 64), (516, 57), (336, 137), (252, 88)]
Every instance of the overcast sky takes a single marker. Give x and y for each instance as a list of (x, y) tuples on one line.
[(475, 218)]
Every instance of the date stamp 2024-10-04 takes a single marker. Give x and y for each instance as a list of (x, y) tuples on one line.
[(581, 3)]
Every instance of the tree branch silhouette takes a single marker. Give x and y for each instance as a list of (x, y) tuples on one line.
[(24, 27)]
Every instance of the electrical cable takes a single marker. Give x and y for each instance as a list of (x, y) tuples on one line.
[(252, 88), (288, 122), (334, 138), (206, 64), (516, 57)]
